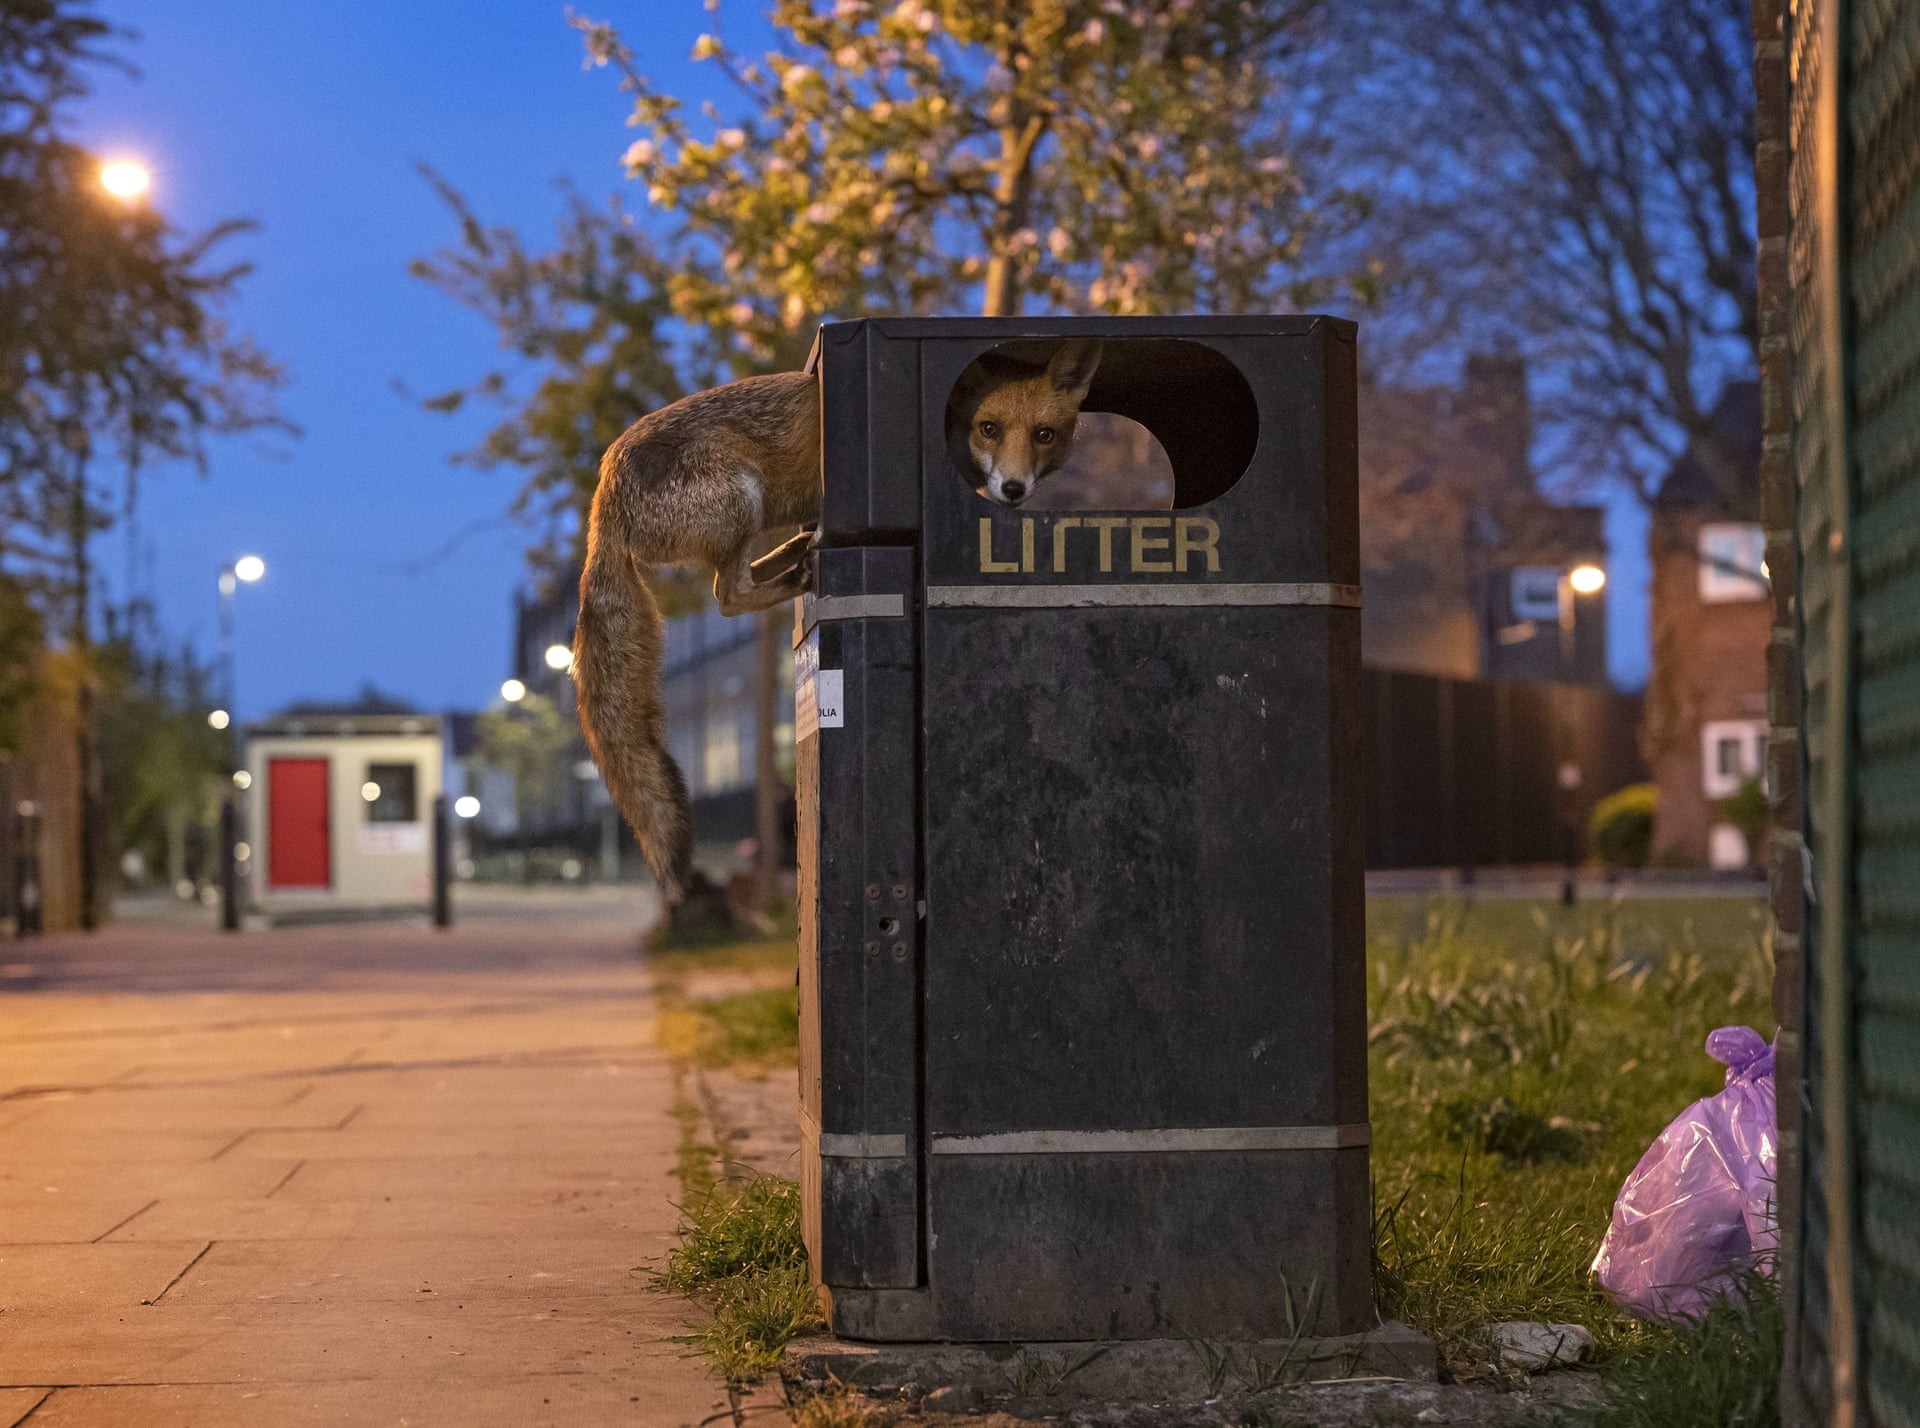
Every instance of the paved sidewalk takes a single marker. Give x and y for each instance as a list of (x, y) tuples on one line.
[(369, 1174)]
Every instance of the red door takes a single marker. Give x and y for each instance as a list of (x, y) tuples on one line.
[(298, 836)]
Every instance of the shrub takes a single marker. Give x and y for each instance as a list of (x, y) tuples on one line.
[(1620, 829)]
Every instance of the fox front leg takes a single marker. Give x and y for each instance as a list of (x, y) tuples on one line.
[(739, 593), (784, 558)]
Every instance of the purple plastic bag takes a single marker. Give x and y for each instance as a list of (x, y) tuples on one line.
[(1699, 1207)]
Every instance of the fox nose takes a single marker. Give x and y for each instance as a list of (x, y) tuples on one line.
[(1013, 490)]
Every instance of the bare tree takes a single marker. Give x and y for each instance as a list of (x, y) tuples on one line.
[(1573, 175)]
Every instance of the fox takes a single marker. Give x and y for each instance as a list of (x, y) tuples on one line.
[(704, 481)]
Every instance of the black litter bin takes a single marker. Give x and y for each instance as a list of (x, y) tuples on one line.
[(1081, 906)]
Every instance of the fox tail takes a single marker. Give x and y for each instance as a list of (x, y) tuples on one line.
[(618, 645)]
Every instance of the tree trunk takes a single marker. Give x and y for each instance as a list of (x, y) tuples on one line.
[(1013, 197), (176, 848)]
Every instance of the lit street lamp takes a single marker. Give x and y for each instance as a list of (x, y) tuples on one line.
[(559, 657), (513, 691), (245, 570), (125, 179), (1584, 579)]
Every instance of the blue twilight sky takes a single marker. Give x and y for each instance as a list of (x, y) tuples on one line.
[(309, 120)]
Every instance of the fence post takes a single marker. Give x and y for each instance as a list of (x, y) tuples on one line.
[(229, 867), (442, 863)]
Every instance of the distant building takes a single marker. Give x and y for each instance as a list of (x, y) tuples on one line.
[(1706, 726), (1467, 564), (544, 617), (339, 806)]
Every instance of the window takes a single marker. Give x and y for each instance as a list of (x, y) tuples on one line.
[(390, 793), (1535, 593), (721, 770), (1167, 424), (1733, 751), (685, 748), (1733, 562)]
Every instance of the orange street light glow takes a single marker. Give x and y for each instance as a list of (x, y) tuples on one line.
[(123, 178), (1587, 579)]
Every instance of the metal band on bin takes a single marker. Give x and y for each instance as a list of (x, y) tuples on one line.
[(1140, 1142), (840, 1146), (1066, 597), (815, 609)]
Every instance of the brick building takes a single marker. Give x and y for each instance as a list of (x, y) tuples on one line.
[(1706, 713), (1466, 561)]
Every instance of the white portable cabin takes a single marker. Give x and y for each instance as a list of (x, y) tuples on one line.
[(339, 812)]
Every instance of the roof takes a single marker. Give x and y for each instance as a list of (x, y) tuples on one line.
[(329, 726)]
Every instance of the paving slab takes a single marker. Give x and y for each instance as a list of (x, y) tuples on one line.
[(466, 1270), (536, 1401), (17, 1403), (36, 1278), (379, 1174)]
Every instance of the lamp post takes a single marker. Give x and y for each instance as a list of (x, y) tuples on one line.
[(1584, 579), (245, 570)]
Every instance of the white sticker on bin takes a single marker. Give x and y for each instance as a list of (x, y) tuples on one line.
[(832, 699), (819, 695)]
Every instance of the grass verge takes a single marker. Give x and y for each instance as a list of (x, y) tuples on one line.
[(739, 1254), (1723, 1372), (1522, 1058), (740, 1259)]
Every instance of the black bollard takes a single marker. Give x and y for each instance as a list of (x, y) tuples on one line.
[(229, 867), (27, 870), (442, 863)]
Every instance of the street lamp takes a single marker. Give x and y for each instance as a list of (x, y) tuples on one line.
[(559, 657), (125, 179), (245, 570), (1584, 579), (513, 691)]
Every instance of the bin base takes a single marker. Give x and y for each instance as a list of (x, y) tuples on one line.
[(1122, 1371)]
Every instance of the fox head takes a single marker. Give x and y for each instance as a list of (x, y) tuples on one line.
[(1017, 421)]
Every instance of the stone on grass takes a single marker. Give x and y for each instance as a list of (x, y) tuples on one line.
[(954, 1398), (1530, 1346)]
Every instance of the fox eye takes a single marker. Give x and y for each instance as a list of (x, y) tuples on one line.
[(1043, 435), (990, 430)]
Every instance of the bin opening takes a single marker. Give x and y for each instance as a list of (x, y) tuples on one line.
[(1166, 425)]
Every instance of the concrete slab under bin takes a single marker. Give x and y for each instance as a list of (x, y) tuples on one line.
[(1122, 1371)]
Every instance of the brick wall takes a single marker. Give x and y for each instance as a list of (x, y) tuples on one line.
[(1709, 662), (1783, 671)]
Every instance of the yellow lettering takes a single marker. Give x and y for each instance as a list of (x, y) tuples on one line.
[(1196, 535), (988, 565), (1141, 544), (1026, 545), (1061, 526), (1106, 525)]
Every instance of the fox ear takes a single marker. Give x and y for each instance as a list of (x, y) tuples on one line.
[(1072, 367)]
